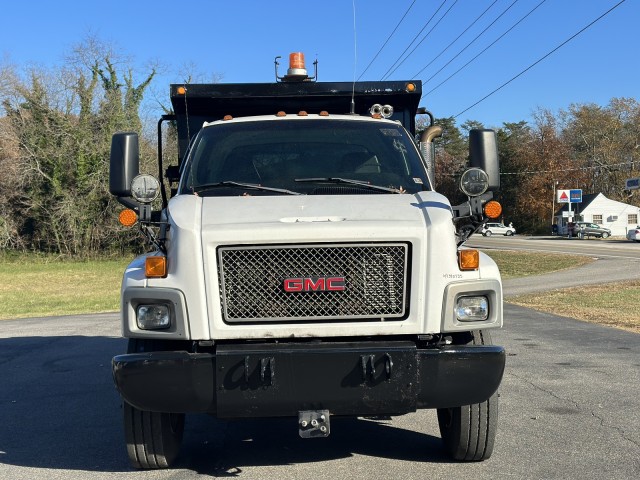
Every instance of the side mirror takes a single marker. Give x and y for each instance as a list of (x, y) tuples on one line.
[(124, 163), (483, 154)]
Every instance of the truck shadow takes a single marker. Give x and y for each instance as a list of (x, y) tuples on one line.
[(225, 448), (61, 411)]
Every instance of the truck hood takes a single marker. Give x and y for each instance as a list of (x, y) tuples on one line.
[(285, 211), (313, 218)]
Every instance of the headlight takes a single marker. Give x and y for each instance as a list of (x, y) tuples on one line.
[(153, 317), (472, 309), (474, 182)]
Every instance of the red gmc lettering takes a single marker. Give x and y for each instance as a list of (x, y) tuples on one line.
[(293, 285), (335, 284), (314, 284), (311, 285)]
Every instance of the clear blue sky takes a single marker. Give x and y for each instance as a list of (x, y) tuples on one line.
[(239, 40)]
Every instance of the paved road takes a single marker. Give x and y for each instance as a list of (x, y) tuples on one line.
[(569, 409), (614, 260)]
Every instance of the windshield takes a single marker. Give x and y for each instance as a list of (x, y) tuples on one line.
[(323, 156)]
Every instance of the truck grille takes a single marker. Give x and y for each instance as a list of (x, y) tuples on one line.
[(253, 279)]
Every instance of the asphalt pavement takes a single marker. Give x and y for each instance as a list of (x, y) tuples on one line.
[(569, 408)]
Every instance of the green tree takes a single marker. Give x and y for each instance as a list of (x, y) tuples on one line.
[(56, 132)]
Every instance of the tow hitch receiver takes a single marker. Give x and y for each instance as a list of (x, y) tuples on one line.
[(313, 423)]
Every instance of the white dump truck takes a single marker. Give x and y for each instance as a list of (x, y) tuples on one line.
[(301, 265)]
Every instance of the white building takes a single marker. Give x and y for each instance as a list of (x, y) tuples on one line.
[(598, 209)]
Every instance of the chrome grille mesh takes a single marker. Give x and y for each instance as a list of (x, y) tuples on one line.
[(252, 282)]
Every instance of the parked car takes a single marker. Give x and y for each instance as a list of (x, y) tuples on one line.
[(489, 229), (590, 230), (634, 234)]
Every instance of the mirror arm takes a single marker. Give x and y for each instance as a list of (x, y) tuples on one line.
[(129, 203)]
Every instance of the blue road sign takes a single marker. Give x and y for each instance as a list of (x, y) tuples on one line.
[(575, 196)]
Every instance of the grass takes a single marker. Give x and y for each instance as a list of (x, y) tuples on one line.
[(35, 285), (515, 264), (610, 304), (613, 304)]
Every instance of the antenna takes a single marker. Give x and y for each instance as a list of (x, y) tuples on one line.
[(355, 62)]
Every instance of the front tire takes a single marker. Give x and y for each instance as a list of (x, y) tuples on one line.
[(605, 235), (509, 233), (153, 438), (469, 432), (487, 233)]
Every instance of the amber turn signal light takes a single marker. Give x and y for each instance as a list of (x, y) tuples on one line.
[(128, 217), (493, 209), (468, 259), (155, 267)]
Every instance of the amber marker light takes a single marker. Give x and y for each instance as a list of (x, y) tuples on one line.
[(493, 209), (468, 259), (226, 118), (324, 113), (155, 267), (181, 90), (411, 87), (281, 114), (128, 217)]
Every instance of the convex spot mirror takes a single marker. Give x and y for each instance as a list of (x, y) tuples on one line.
[(145, 188)]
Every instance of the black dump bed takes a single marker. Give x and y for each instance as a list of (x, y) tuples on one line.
[(209, 102)]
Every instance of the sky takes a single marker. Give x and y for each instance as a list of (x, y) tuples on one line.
[(435, 41)]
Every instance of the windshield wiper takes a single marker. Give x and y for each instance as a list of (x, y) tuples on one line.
[(350, 181), (248, 186)]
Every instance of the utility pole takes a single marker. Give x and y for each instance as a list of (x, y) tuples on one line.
[(553, 201)]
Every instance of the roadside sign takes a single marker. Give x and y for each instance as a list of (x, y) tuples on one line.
[(575, 196), (563, 196), (565, 214), (632, 184)]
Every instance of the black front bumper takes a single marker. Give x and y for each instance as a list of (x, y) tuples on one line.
[(281, 379)]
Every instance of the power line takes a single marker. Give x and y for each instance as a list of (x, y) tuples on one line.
[(457, 38), (542, 58), (387, 40), (423, 39), (414, 38), (484, 50), (577, 169), (472, 41)]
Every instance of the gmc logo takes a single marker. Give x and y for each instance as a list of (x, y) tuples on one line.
[(314, 284)]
